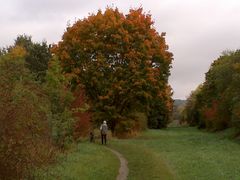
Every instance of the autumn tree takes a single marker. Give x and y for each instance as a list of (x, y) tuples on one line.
[(123, 64), (35, 108), (222, 90), (25, 138), (218, 100)]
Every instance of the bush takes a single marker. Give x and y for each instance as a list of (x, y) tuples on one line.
[(129, 127), (25, 141)]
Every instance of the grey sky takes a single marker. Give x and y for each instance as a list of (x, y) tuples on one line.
[(197, 30)]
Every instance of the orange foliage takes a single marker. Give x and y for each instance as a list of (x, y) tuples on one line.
[(210, 114), (117, 53), (83, 124)]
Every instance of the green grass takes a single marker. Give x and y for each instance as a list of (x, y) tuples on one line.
[(174, 153), (87, 162), (181, 153), (143, 163)]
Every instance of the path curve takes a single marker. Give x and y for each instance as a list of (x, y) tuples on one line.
[(123, 170)]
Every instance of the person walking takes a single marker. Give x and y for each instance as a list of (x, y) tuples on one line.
[(104, 130)]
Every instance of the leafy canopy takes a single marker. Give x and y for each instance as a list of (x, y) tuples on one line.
[(123, 64)]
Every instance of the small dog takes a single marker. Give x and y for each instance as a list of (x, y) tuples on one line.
[(91, 137)]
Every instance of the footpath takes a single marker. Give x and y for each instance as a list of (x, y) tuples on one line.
[(123, 170)]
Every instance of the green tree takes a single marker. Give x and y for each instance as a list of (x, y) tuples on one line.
[(192, 110), (60, 96), (37, 55)]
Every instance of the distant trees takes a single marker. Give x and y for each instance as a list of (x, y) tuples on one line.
[(191, 112), (123, 64), (178, 107), (216, 103)]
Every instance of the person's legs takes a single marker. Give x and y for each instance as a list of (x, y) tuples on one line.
[(105, 138), (102, 135)]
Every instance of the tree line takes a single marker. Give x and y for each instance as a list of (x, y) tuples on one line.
[(114, 67), (215, 104)]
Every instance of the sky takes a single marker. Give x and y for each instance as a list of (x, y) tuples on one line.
[(197, 31)]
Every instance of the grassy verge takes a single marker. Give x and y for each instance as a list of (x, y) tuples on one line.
[(87, 161)]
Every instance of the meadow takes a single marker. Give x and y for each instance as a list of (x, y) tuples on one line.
[(173, 153), (187, 153)]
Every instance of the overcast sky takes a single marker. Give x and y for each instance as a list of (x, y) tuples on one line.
[(197, 30)]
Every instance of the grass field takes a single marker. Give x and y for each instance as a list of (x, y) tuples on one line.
[(174, 153), (181, 153)]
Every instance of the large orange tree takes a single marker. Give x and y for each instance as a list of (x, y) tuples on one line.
[(123, 64)]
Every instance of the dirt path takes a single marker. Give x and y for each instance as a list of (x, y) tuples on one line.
[(123, 170)]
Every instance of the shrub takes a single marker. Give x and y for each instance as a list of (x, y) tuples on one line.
[(129, 127), (25, 141)]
